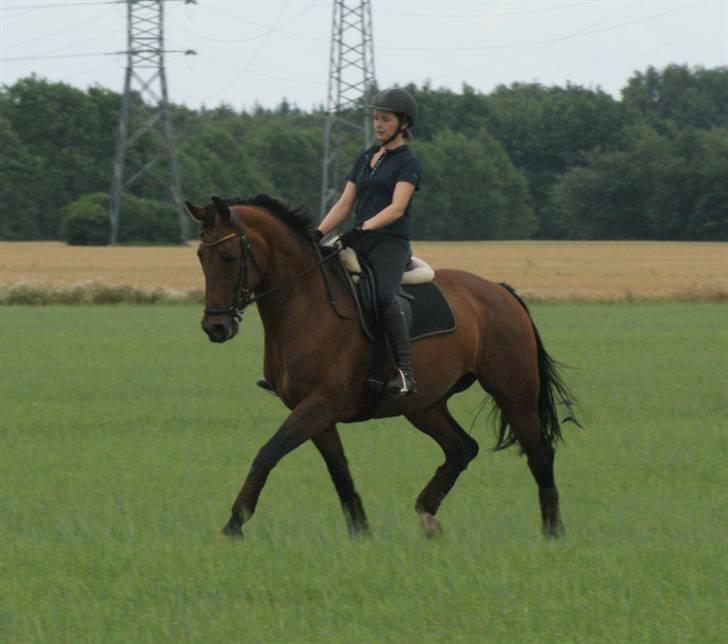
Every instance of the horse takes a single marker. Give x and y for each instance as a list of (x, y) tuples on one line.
[(259, 250)]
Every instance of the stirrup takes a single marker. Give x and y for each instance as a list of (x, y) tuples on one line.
[(400, 385)]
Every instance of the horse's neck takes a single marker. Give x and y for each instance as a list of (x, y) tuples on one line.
[(292, 306)]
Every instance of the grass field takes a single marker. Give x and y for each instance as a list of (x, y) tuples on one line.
[(540, 270), (125, 435)]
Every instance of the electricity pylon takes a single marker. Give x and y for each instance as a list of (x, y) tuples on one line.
[(351, 86), (146, 75)]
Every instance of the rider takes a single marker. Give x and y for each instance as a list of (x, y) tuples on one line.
[(379, 188)]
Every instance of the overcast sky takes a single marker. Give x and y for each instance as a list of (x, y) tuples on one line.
[(250, 52)]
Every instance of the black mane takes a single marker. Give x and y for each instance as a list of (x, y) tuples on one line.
[(297, 219)]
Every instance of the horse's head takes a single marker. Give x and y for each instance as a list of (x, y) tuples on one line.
[(231, 271)]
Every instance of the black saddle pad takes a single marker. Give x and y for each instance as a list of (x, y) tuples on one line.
[(431, 313)]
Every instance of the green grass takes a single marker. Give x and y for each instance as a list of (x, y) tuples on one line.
[(125, 436)]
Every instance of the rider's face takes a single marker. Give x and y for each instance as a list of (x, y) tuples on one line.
[(385, 124)]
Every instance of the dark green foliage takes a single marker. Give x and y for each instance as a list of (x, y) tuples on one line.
[(525, 161), (19, 175), (291, 157), (71, 134), (656, 187), (214, 162), (148, 220), (548, 130), (86, 221), (679, 96), (471, 191)]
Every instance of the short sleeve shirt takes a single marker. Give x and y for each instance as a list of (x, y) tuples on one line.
[(375, 186)]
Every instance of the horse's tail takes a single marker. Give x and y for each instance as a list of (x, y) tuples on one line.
[(552, 392)]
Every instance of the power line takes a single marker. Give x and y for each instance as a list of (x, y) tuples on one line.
[(75, 25), (186, 52), (52, 57), (58, 5), (276, 27), (95, 68), (235, 41), (58, 50), (26, 9), (64, 5), (238, 41), (252, 59), (483, 14), (586, 31), (544, 41), (252, 72)]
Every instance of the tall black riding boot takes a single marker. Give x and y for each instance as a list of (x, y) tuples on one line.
[(396, 327)]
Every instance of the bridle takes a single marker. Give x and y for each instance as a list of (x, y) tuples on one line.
[(244, 296)]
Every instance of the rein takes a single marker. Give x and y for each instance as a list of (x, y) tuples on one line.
[(245, 297)]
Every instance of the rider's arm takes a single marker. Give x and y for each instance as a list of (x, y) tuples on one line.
[(403, 192), (340, 210)]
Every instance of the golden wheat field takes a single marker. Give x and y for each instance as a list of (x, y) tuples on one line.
[(540, 270)]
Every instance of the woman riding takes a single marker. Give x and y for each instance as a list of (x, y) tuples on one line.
[(379, 188)]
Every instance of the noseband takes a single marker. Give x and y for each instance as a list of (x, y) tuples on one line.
[(243, 296)]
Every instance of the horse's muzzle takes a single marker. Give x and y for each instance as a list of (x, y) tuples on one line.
[(220, 330)]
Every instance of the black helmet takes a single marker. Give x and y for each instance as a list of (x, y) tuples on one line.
[(397, 100)]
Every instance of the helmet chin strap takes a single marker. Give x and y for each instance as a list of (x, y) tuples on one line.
[(391, 138), (396, 134)]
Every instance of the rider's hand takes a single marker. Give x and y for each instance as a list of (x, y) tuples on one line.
[(352, 236)]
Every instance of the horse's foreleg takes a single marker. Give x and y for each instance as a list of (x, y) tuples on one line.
[(329, 445), (459, 449), (307, 419)]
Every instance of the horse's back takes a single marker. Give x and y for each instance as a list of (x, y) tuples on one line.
[(489, 317), (474, 295)]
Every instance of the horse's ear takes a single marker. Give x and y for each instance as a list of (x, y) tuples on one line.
[(222, 209), (196, 212)]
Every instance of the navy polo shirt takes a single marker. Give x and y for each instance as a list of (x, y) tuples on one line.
[(375, 186)]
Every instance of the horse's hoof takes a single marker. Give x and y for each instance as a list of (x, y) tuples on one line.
[(554, 530), (430, 525), (357, 535), (357, 531), (233, 533)]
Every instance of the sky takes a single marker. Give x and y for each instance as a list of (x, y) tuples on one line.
[(251, 52)]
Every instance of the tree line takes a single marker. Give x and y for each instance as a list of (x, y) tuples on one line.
[(522, 162)]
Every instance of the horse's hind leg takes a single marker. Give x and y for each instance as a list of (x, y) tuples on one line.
[(329, 445), (540, 454), (459, 449)]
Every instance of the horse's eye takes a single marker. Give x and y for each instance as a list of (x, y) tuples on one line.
[(228, 259)]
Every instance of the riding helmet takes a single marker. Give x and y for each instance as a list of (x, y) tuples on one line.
[(397, 100)]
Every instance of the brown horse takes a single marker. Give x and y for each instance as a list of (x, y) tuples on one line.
[(316, 357)]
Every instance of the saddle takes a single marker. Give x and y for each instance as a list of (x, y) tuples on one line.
[(363, 288), (427, 310)]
